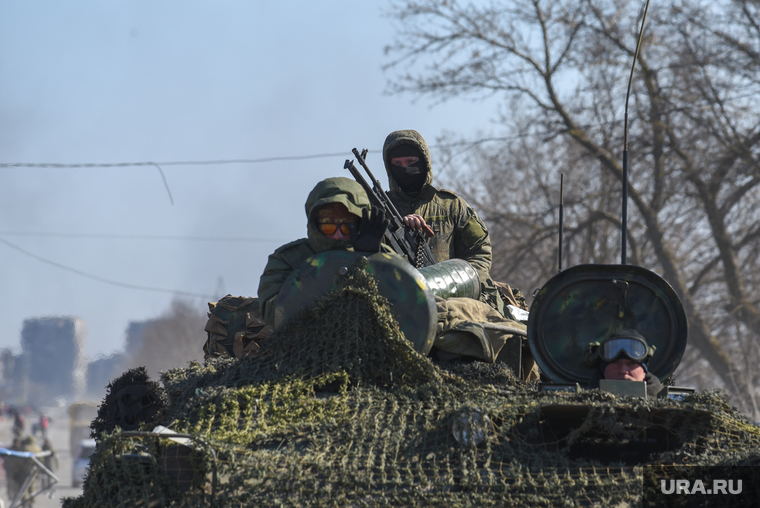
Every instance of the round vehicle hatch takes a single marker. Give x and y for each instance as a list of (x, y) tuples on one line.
[(585, 303), (412, 301)]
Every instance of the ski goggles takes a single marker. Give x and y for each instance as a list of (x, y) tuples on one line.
[(329, 228), (630, 347)]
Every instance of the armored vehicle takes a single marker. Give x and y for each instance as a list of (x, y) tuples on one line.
[(340, 406)]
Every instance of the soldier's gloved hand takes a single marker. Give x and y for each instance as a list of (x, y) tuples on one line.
[(370, 233)]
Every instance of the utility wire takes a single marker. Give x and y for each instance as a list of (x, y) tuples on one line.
[(166, 185), (220, 161), (101, 279), (252, 161), (172, 163), (158, 165), (144, 237)]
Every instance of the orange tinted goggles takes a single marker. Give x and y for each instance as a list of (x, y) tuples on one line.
[(327, 228)]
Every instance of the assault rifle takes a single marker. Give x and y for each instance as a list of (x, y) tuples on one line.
[(407, 242)]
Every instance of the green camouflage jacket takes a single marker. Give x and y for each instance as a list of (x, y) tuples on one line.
[(459, 232), (286, 258)]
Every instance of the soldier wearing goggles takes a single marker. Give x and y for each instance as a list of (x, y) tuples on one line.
[(338, 218), (622, 355)]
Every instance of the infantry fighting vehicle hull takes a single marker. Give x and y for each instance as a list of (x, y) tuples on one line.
[(338, 407)]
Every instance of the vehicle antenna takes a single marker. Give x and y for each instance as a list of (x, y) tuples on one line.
[(561, 216), (624, 232)]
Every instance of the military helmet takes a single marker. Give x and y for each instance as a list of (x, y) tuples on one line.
[(619, 344)]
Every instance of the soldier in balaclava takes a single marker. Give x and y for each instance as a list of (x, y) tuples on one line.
[(457, 231), (454, 228), (338, 218)]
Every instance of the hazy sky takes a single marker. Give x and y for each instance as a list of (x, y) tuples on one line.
[(139, 81)]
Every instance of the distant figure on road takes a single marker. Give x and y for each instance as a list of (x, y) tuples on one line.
[(18, 468), (40, 427), (18, 423), (50, 462)]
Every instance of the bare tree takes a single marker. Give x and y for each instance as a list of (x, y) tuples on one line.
[(562, 68)]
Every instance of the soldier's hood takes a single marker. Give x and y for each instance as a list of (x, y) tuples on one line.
[(341, 190), (406, 137)]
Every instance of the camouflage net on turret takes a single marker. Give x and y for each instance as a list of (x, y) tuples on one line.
[(339, 410)]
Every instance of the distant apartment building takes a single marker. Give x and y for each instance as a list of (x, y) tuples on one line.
[(52, 358), (103, 370)]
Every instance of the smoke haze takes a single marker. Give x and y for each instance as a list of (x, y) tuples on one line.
[(109, 82)]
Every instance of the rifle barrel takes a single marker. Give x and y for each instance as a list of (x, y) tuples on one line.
[(376, 183), (359, 178), (404, 241)]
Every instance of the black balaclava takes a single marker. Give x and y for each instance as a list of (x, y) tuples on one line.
[(411, 179)]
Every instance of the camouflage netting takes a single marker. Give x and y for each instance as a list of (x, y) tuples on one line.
[(339, 410), (130, 399)]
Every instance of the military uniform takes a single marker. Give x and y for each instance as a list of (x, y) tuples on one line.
[(286, 258), (459, 232)]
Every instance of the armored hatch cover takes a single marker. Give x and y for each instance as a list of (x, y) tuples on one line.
[(586, 302), (412, 301)]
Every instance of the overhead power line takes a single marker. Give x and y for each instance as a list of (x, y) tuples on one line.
[(101, 279), (223, 161), (171, 163), (158, 165), (143, 237)]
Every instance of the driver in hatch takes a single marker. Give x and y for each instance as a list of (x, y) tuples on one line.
[(622, 355)]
